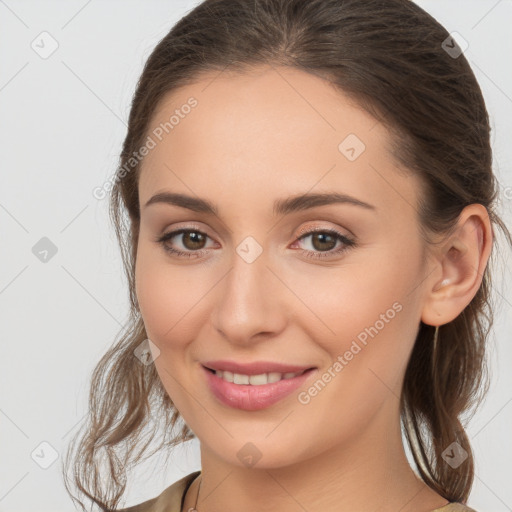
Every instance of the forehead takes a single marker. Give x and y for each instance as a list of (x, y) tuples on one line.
[(272, 129)]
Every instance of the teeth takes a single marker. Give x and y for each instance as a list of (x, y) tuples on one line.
[(274, 377), (240, 379), (255, 380), (227, 375), (258, 380)]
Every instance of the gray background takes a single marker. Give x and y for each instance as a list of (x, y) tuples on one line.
[(63, 119)]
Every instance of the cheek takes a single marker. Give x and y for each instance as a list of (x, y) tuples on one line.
[(374, 317), (165, 296), (367, 312), (157, 294), (170, 298), (345, 300)]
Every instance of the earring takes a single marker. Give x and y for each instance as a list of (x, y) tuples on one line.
[(436, 336), (434, 350)]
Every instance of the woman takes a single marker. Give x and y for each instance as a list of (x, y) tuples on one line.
[(310, 209)]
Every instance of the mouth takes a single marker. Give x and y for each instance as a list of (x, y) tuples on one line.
[(260, 379), (256, 391), (254, 367)]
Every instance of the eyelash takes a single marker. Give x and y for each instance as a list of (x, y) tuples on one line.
[(347, 243)]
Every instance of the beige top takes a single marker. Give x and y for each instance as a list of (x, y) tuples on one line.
[(171, 499)]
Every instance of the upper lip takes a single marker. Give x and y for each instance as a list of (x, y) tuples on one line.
[(255, 368)]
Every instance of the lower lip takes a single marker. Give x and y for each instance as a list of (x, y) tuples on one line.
[(253, 398)]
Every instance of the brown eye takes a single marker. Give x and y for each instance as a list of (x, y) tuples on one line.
[(325, 241), (193, 240)]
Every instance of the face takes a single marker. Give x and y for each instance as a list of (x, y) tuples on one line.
[(333, 286)]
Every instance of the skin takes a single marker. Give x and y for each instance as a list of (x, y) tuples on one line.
[(254, 138)]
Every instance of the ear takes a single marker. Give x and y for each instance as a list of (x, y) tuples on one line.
[(460, 263)]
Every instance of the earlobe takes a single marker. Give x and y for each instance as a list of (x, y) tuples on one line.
[(462, 261), (442, 284)]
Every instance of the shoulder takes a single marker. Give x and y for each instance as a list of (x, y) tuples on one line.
[(169, 500), (455, 507)]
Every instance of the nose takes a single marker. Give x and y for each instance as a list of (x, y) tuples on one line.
[(250, 302)]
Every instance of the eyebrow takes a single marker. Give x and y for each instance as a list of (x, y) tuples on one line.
[(284, 206)]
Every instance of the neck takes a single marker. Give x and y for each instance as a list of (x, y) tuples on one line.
[(369, 471)]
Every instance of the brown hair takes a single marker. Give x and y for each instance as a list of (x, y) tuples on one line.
[(388, 56)]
